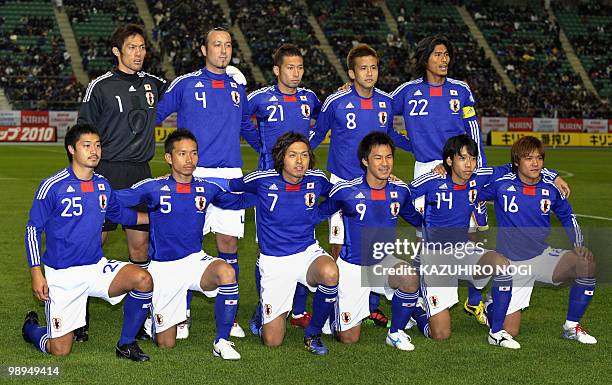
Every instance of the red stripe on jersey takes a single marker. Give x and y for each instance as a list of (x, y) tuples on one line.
[(183, 188), (366, 104), (529, 190), (435, 91), (218, 84), (378, 195), (289, 98), (459, 187), (87, 186), (292, 187)]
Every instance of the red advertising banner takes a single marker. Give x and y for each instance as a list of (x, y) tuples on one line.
[(570, 125), (34, 118), (27, 134), (520, 124)]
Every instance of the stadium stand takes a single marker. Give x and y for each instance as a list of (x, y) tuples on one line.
[(35, 67), (270, 23), (527, 44), (588, 26)]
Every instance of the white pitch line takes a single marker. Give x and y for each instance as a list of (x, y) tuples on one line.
[(565, 174), (578, 215)]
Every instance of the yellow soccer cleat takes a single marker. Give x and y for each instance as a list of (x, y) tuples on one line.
[(477, 311)]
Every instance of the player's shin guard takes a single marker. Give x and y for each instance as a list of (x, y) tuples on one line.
[(580, 297), (299, 299), (135, 309), (474, 296), (232, 259), (226, 305), (402, 306), (420, 316), (374, 301), (323, 302), (501, 292), (38, 336)]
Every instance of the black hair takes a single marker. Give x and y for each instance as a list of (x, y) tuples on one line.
[(453, 147), (375, 138), (424, 49), (283, 51), (282, 145), (122, 32), (176, 136), (74, 133), (207, 34)]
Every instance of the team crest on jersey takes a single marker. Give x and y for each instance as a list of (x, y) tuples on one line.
[(433, 300), (147, 87), (395, 208), (382, 117), (103, 201), (150, 98), (346, 317), (57, 323), (200, 202), (309, 199), (545, 205), (306, 110), (267, 308), (236, 98), (455, 106), (335, 230), (472, 195), (159, 319)]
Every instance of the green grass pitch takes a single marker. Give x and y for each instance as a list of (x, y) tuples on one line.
[(467, 358)]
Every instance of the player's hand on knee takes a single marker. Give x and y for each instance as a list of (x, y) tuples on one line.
[(562, 186), (345, 86), (584, 253), (39, 284), (439, 169)]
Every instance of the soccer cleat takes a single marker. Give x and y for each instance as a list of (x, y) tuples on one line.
[(255, 321), (399, 340), (477, 311), (412, 322), (131, 352), (378, 318), (225, 349), (300, 321), (237, 331), (144, 334), (315, 346), (504, 339), (81, 334), (579, 334), (30, 318), (182, 329)]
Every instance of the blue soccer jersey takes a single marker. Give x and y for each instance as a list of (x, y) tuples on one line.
[(523, 215), (434, 113), (351, 117), (286, 213), (71, 212), (277, 113), (369, 215), (177, 212), (214, 108)]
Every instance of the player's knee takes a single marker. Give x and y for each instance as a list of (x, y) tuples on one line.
[(60, 350), (348, 338), (329, 274), (165, 343), (500, 260), (143, 281), (512, 330), (440, 334), (226, 274), (409, 284), (272, 340), (227, 243)]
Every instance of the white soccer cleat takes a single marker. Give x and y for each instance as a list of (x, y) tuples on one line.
[(182, 330), (237, 331), (225, 349), (399, 340), (579, 334), (147, 326), (504, 339)]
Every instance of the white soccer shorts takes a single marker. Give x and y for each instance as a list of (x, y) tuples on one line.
[(336, 225), (68, 291), (228, 222)]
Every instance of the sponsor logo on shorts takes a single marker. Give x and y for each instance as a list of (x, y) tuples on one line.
[(335, 230), (57, 323), (267, 308), (433, 300), (159, 319), (346, 317)]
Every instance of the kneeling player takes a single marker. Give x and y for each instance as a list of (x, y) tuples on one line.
[(286, 218), (524, 200), (177, 209), (370, 207), (70, 208)]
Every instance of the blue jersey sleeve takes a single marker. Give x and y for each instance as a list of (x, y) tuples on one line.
[(227, 200), (170, 101), (423, 184), (398, 139), (316, 111), (41, 210), (409, 212), (322, 125), (118, 213), (398, 100), (247, 130), (247, 183), (135, 195), (472, 128), (563, 211)]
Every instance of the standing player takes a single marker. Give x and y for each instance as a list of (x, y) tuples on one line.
[(213, 106), (70, 208), (350, 115), (523, 201), (121, 105), (286, 218), (281, 108), (370, 208), (177, 206)]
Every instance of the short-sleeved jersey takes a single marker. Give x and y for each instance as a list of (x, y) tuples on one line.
[(523, 215), (177, 212), (286, 213), (351, 117), (434, 113), (369, 215), (277, 113), (214, 108), (449, 206), (123, 107), (71, 212)]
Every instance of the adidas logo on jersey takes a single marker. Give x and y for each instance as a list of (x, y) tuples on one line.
[(443, 187), (360, 196), (273, 187), (165, 188), (199, 85), (417, 93), (70, 189), (273, 99), (132, 89), (350, 105), (511, 188)]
